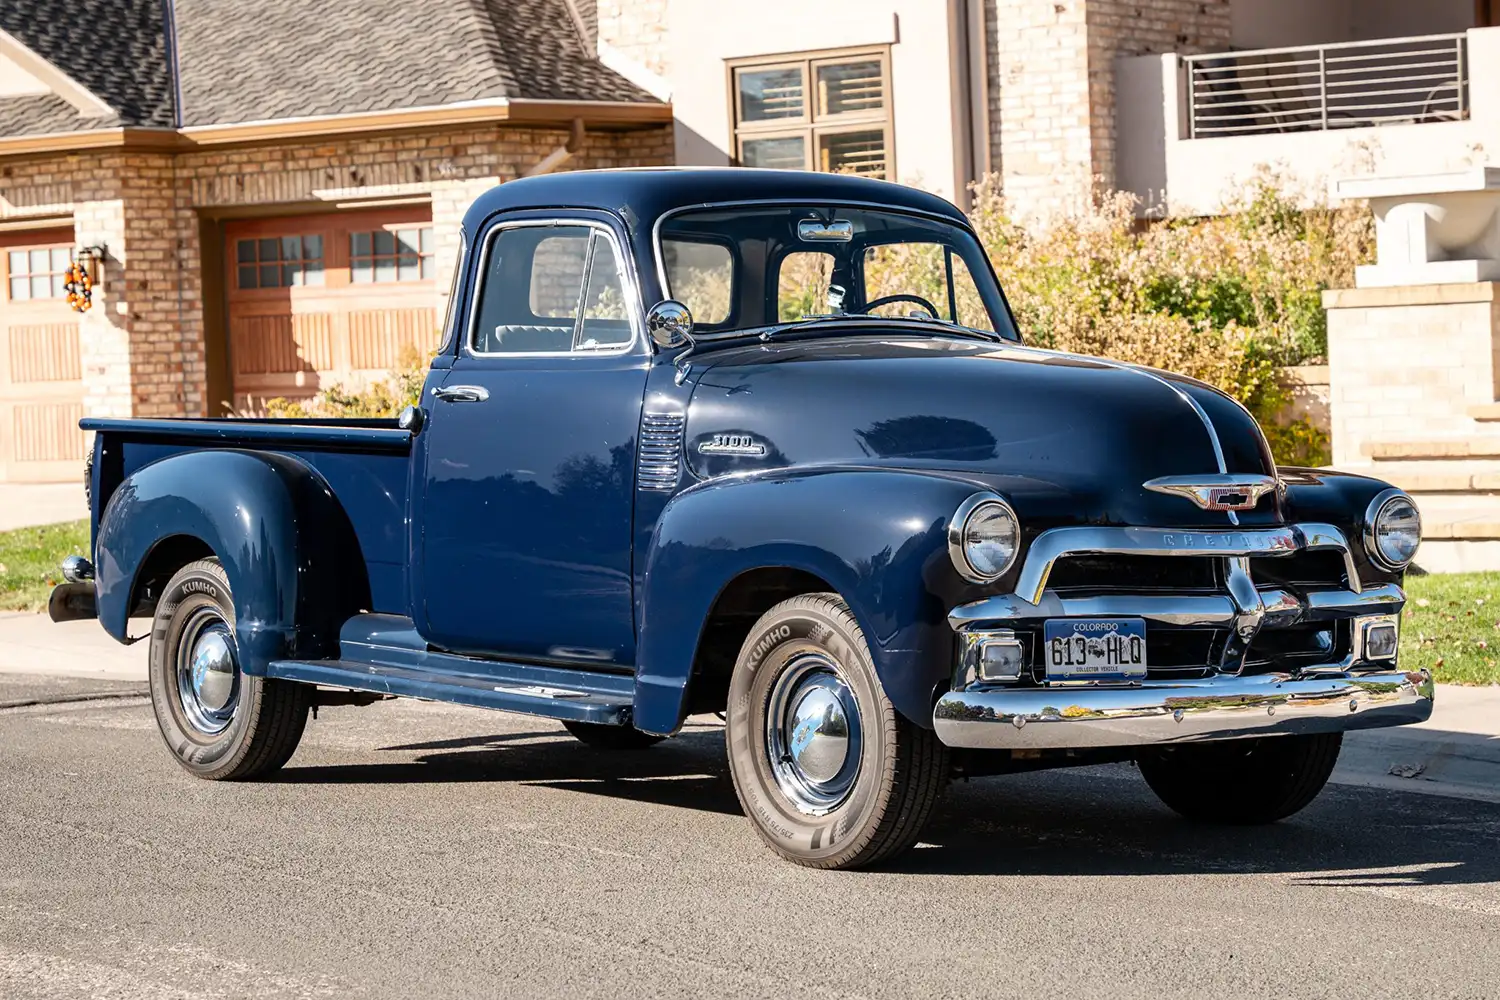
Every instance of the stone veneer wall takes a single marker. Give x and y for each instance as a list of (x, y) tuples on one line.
[(1408, 363), (1053, 64), (142, 344), (638, 29)]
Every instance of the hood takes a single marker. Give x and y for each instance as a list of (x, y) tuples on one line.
[(1067, 439)]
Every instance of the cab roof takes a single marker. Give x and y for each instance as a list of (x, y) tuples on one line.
[(641, 195)]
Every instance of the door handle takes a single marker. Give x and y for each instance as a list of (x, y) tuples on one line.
[(461, 393)]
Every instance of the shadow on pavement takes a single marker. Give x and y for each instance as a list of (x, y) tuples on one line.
[(1089, 821)]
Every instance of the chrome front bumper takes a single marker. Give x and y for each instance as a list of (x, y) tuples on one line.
[(1352, 693), (1215, 708)]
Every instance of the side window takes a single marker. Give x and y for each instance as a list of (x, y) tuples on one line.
[(551, 290)]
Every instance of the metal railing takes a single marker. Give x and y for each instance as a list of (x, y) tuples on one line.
[(1319, 87)]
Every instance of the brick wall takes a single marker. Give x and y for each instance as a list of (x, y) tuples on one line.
[(142, 344), (1052, 63), (1141, 27), (1041, 59)]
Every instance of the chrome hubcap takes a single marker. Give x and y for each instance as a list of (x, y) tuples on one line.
[(813, 735), (208, 673)]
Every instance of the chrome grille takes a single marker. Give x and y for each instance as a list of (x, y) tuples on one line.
[(661, 444)]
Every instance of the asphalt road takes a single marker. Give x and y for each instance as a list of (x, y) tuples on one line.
[(425, 851)]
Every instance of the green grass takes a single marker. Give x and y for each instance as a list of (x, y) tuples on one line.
[(29, 560), (1451, 626)]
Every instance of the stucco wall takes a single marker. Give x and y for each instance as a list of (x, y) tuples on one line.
[(1193, 176), (928, 140)]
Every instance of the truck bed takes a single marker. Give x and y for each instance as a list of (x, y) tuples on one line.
[(365, 462)]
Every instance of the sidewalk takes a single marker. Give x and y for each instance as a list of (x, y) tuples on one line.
[(1456, 752), (25, 504)]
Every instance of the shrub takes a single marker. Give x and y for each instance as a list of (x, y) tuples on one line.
[(1227, 300), (380, 399)]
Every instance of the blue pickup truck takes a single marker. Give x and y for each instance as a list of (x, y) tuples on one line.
[(766, 444)]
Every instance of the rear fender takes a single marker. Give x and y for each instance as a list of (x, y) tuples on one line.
[(290, 553), (877, 538)]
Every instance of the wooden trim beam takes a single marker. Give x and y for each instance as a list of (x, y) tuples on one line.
[(605, 114)]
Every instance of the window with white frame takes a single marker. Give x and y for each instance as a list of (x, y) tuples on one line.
[(828, 111)]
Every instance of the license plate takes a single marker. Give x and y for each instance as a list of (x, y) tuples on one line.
[(1095, 649)]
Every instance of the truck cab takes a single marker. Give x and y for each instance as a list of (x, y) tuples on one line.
[(766, 444)]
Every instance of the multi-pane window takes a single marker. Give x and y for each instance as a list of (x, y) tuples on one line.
[(279, 261), (385, 255), (819, 112), (37, 273)]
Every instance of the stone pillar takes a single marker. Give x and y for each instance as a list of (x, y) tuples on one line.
[(1053, 62), (1414, 358)]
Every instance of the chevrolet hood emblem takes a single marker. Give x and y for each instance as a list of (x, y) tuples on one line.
[(1221, 492)]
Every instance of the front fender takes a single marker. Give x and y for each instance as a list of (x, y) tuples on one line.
[(286, 544), (878, 538), (1340, 499)]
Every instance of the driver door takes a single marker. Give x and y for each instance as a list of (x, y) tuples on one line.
[(531, 461)]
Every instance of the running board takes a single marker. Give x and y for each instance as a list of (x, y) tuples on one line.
[(510, 687)]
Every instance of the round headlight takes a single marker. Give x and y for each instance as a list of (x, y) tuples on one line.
[(1393, 530), (983, 538)]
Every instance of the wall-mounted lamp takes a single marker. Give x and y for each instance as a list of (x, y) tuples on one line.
[(82, 275)]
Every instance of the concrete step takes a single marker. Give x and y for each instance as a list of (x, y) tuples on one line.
[(1475, 476), (1485, 412), (1480, 446)]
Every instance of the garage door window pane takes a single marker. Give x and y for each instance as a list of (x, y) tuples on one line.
[(383, 255), (247, 276), (37, 273), (245, 252), (270, 276)]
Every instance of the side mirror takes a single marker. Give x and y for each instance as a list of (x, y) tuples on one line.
[(670, 323)]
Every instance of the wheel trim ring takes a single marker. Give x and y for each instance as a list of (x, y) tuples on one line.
[(811, 770), (208, 672)]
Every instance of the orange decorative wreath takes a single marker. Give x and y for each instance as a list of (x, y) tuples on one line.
[(80, 287)]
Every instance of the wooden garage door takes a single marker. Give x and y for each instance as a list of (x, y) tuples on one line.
[(41, 378), (321, 299)]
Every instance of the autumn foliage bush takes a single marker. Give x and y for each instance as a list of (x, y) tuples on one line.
[(1228, 300)]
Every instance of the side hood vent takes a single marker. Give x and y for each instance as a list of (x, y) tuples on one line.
[(659, 459)]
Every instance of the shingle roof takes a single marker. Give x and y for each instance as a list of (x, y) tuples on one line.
[(256, 60), (115, 48)]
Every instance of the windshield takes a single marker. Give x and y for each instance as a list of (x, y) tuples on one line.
[(751, 266)]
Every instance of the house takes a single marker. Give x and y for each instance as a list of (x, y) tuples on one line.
[(272, 188)]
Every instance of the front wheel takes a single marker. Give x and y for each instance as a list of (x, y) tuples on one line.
[(218, 722), (829, 773), (1247, 781)]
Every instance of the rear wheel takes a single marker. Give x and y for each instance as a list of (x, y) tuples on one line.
[(1242, 781), (611, 737), (218, 722), (829, 773)]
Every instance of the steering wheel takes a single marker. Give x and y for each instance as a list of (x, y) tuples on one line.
[(888, 299)]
